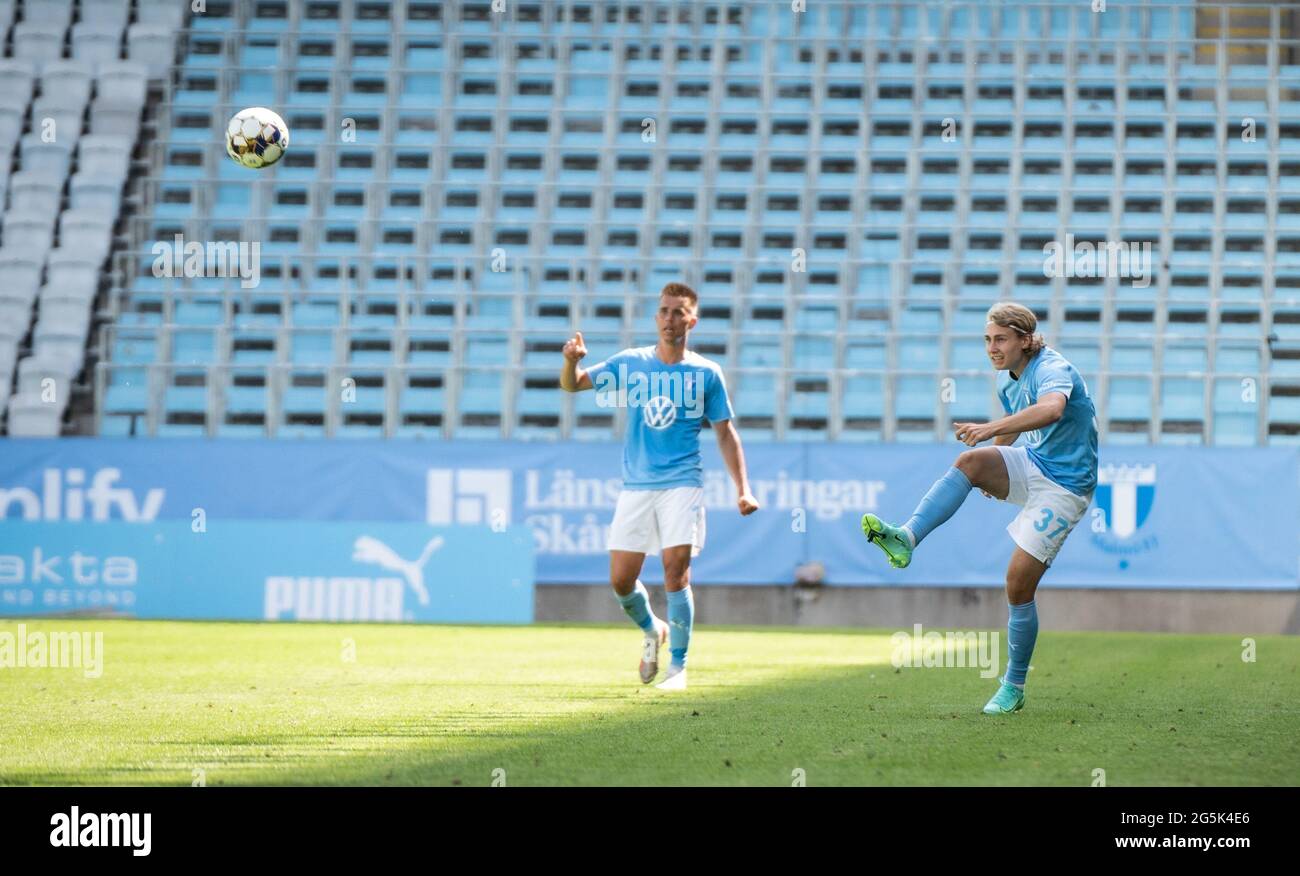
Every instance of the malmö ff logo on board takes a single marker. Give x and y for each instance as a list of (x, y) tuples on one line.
[(1125, 494)]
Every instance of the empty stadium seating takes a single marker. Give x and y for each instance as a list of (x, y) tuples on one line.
[(848, 187)]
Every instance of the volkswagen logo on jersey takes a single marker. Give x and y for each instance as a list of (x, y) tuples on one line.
[(659, 412)]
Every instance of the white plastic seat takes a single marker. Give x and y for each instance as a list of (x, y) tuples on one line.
[(30, 417), (33, 371), (67, 83), (10, 337), (104, 156), (64, 314), (53, 341), (53, 158), (38, 43), (17, 79), (122, 84), (115, 121), (72, 278), (15, 313), (54, 13), (34, 194), (97, 44), (106, 13), (27, 235), (71, 274), (21, 271), (152, 46), (62, 122), (11, 128), (90, 192), (164, 13), (87, 232)]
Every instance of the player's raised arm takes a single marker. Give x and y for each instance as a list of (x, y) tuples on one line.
[(573, 378)]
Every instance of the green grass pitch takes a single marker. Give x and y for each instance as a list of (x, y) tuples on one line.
[(562, 705)]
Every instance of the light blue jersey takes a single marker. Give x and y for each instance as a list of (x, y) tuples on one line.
[(1065, 451), (666, 406)]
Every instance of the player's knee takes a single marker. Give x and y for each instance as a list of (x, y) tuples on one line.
[(968, 463), (1020, 588), (623, 584), (677, 577)]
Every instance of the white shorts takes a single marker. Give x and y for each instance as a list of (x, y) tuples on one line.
[(1050, 511), (648, 521)]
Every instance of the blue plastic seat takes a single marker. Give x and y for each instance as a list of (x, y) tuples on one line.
[(1182, 398)]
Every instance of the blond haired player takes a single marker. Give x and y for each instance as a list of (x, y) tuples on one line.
[(1051, 476)]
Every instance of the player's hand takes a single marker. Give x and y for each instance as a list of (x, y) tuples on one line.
[(747, 504), (574, 348), (971, 434)]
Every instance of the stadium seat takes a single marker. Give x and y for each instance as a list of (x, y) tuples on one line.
[(31, 417), (38, 43), (151, 46)]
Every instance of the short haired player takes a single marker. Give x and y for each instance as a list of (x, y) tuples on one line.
[(1052, 476), (661, 507)]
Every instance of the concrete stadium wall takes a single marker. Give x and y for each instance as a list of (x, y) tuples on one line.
[(1166, 611)]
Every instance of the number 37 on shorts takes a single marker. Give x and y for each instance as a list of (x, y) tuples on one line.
[(1051, 524)]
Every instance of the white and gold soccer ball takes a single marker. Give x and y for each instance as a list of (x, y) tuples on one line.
[(256, 137)]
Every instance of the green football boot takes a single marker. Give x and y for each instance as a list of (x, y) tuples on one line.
[(892, 540), (1008, 699)]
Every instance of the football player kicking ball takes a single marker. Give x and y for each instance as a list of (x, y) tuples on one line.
[(668, 391), (1052, 476)]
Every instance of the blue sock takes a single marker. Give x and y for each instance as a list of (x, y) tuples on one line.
[(637, 606), (1022, 632), (681, 615), (936, 506)]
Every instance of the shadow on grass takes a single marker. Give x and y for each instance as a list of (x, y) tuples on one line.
[(861, 725)]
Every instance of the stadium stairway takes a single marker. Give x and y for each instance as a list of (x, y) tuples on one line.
[(79, 87)]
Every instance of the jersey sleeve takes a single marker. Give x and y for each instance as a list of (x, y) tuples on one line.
[(1052, 378), (604, 375), (717, 403)]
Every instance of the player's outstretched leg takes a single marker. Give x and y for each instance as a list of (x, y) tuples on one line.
[(983, 468), (681, 614), (636, 605)]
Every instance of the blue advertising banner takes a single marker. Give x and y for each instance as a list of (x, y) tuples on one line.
[(258, 570), (1161, 517)]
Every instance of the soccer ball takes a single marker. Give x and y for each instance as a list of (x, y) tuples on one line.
[(256, 137)]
